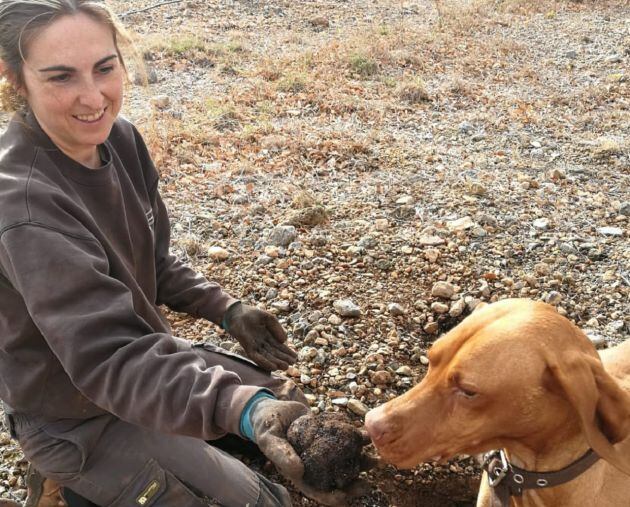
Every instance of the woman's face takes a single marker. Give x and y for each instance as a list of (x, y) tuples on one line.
[(73, 82)]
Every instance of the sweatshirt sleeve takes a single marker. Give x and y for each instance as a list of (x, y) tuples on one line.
[(109, 352)]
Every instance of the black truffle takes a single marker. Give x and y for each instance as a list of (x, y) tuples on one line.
[(330, 448)]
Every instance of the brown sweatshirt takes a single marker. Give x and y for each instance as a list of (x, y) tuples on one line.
[(84, 264)]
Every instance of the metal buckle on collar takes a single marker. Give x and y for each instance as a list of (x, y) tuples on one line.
[(495, 473)]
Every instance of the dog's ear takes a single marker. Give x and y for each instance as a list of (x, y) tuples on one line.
[(602, 406)]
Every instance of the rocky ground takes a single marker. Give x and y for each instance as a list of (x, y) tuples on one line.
[(370, 171)]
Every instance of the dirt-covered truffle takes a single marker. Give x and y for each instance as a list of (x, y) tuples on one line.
[(330, 448)]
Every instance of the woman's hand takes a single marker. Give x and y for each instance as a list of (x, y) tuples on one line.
[(270, 420), (261, 335)]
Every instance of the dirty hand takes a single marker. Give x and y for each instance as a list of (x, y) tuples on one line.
[(261, 336), (270, 420)]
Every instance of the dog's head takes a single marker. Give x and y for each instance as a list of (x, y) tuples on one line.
[(513, 371)]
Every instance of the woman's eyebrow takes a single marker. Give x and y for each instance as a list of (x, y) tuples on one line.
[(65, 68)]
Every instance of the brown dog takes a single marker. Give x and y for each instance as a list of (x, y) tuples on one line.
[(516, 375)]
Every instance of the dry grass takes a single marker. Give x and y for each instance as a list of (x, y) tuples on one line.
[(282, 112)]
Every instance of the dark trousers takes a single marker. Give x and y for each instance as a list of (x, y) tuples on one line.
[(113, 463)]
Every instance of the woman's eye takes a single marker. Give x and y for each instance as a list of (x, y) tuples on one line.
[(60, 78), (106, 70)]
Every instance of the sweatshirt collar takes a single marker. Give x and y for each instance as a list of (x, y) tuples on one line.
[(68, 166)]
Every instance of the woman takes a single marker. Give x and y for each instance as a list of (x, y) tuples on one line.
[(102, 398)]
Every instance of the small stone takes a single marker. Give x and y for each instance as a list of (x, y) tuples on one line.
[(381, 377), (592, 322), (424, 360), (148, 77), (457, 308), (160, 101), (340, 402), (282, 235), (530, 280), (571, 55), (272, 251), (263, 260), (542, 269), (615, 58), (217, 253), (405, 199), (367, 242), (466, 127), (429, 240), (320, 22), (307, 354), (334, 319), (347, 308), (318, 240), (311, 336), (404, 371), (477, 189), (478, 232), (292, 371), (395, 309), (5, 438), (443, 290), (439, 308), (356, 407), (306, 217), (557, 174), (624, 209), (420, 305), (568, 248), (610, 231), (431, 254), (381, 224), (311, 398), (553, 298), (431, 328), (461, 224), (281, 306), (541, 224)]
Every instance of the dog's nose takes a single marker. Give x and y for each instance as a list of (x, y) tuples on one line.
[(376, 425)]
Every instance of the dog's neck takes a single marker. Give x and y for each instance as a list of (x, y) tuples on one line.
[(551, 452)]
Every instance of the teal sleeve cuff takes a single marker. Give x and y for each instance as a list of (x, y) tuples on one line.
[(224, 322), (246, 415)]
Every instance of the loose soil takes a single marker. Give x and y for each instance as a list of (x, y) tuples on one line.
[(479, 143)]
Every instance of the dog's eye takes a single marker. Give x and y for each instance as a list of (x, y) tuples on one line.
[(463, 390), (466, 392)]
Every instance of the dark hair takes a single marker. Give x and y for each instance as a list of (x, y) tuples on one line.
[(21, 20)]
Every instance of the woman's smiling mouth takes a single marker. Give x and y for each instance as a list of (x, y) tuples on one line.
[(90, 118)]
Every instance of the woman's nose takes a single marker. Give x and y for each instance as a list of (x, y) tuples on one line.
[(91, 95)]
